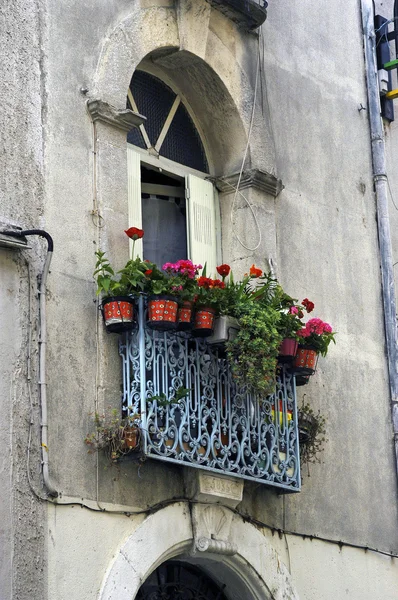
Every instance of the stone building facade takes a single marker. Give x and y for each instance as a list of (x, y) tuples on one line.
[(282, 108)]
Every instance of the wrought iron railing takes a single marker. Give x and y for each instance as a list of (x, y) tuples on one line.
[(215, 426), (250, 13)]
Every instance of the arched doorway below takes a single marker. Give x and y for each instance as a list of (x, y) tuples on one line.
[(180, 580)]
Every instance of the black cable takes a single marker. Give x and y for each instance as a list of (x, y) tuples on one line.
[(247, 518)]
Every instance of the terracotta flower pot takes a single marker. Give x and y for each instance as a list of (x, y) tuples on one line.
[(162, 312), (118, 313), (185, 316), (131, 437), (204, 322), (305, 361), (287, 350)]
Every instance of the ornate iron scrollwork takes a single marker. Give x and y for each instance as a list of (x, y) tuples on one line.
[(216, 426)]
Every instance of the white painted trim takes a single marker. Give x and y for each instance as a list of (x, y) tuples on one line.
[(167, 123), (167, 165), (168, 534), (141, 127)]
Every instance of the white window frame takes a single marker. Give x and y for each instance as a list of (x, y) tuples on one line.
[(171, 168)]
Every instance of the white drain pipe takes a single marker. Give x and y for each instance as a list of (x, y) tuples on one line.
[(383, 222)]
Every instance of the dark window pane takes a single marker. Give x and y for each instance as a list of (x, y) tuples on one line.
[(134, 137), (154, 100), (183, 144)]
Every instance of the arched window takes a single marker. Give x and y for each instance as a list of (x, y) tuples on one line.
[(169, 196), (175, 580)]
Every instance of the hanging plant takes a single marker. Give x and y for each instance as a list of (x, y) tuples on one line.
[(312, 432)]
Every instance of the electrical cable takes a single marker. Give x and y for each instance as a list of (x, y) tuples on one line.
[(245, 517), (392, 197), (243, 164)]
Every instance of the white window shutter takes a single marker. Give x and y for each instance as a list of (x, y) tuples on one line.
[(202, 223), (134, 196)]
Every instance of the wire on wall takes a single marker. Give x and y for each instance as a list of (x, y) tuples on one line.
[(243, 165)]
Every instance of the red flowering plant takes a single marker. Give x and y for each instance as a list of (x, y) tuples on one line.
[(317, 335), (210, 293), (292, 313)]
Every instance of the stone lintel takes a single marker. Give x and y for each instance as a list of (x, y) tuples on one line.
[(260, 180), (124, 118), (211, 488)]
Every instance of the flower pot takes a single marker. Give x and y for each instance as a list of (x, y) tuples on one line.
[(302, 379), (185, 316), (204, 322), (306, 424), (287, 350), (131, 438), (305, 361), (289, 414), (118, 313), (225, 330), (162, 312)]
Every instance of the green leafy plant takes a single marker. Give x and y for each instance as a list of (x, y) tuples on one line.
[(104, 274), (112, 433), (253, 353), (164, 400), (312, 432)]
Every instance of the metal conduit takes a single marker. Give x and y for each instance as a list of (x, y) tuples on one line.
[(383, 223)]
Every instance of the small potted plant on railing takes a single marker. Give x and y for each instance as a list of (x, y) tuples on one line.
[(290, 323), (183, 283), (314, 338), (208, 297), (116, 435), (117, 302)]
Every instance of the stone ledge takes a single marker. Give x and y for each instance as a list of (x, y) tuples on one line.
[(124, 119), (211, 488), (260, 180)]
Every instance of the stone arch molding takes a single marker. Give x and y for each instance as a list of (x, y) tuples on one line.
[(177, 38), (169, 534)]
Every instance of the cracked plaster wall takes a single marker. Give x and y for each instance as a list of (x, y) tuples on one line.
[(320, 145), (22, 547)]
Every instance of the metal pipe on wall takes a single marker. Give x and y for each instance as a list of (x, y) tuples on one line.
[(51, 491), (383, 222)]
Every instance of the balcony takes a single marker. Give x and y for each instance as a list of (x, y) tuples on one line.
[(249, 13), (215, 426)]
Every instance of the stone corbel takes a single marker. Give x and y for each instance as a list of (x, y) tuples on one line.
[(211, 522), (255, 178), (124, 119)]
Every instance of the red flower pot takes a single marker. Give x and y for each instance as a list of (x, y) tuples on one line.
[(162, 312), (287, 350), (204, 322), (185, 316), (118, 313), (305, 361), (131, 438)]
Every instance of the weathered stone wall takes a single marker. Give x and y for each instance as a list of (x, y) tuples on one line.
[(321, 231), (22, 101)]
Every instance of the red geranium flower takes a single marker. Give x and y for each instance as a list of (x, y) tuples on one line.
[(148, 272), (134, 233), (223, 270), (217, 283), (205, 282), (308, 305), (254, 272)]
